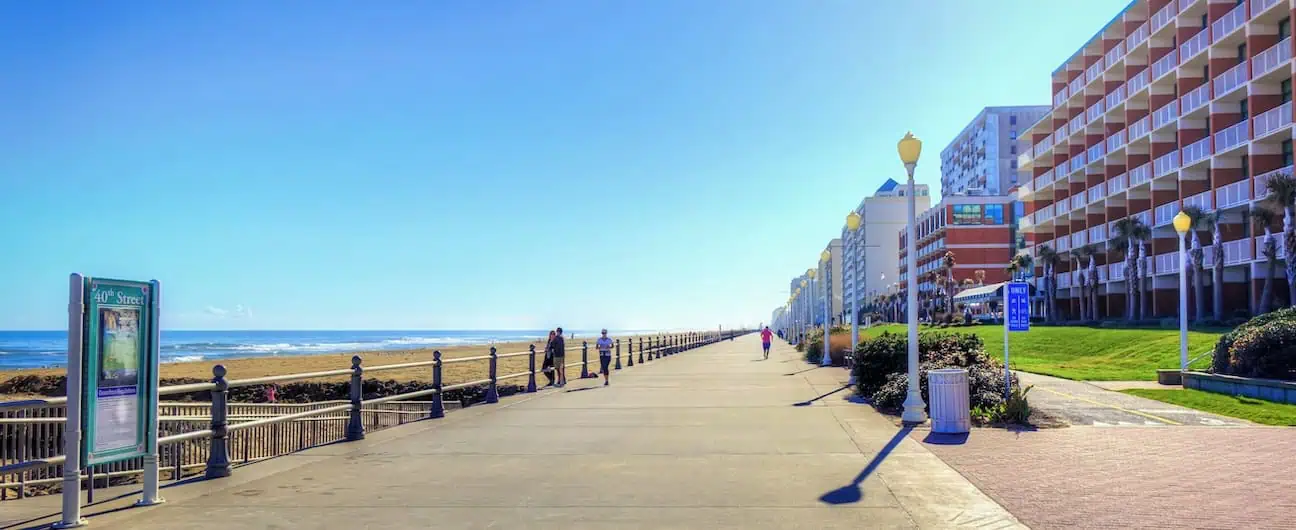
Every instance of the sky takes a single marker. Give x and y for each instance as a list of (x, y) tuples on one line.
[(453, 164)]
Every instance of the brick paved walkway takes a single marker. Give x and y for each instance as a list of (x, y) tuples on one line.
[(1136, 477)]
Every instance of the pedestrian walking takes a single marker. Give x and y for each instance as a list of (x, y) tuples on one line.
[(559, 347), (766, 337), (547, 366), (604, 345)]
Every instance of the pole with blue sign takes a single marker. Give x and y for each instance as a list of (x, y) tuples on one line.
[(1016, 319)]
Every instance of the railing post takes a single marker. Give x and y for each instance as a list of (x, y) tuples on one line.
[(355, 424), (438, 404), (629, 352), (584, 359), (641, 357), (617, 366), (492, 391), (658, 349), (218, 458), (531, 386)]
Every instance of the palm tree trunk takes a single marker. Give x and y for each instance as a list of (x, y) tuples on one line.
[(1289, 248), (1144, 311), (1217, 277), (1266, 295)]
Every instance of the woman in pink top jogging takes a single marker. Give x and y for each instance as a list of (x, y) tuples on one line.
[(766, 337)]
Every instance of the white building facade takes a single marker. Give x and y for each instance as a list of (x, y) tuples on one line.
[(870, 254), (983, 158)]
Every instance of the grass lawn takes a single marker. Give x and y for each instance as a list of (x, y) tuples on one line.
[(1255, 410), (1083, 353)]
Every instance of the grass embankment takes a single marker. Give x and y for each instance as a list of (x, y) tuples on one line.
[(1085, 353), (1250, 409)]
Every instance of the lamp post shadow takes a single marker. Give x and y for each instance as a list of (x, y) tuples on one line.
[(851, 493), (811, 401)]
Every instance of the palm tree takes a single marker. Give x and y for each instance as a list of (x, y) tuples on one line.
[(1049, 259), (1197, 218), (947, 263), (1262, 217), (1080, 256), (1092, 251), (1212, 221), (1282, 193), (1130, 235), (980, 277)]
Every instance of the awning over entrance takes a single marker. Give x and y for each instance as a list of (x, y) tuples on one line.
[(977, 295)]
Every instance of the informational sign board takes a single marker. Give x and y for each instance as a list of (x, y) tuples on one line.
[(1018, 306), (119, 366)]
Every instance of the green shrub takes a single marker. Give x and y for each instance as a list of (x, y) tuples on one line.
[(814, 352), (1263, 347), (881, 363)]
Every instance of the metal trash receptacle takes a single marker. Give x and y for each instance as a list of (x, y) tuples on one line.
[(951, 411)]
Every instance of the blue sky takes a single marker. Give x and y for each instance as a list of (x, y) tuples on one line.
[(457, 164)]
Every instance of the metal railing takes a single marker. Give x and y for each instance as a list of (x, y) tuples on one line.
[(208, 437), (1229, 23)]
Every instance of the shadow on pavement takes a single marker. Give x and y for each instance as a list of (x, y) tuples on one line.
[(811, 401), (940, 438), (851, 493), (803, 371)]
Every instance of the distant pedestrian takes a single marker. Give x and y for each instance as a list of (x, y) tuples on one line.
[(559, 347), (604, 346), (547, 366), (766, 337)]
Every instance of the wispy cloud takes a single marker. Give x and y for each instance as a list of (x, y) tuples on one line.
[(239, 311)]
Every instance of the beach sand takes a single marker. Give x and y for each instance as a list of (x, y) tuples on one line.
[(244, 368)]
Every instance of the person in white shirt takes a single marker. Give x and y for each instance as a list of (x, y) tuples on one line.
[(604, 345)]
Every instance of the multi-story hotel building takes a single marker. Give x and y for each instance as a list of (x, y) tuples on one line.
[(979, 230), (1174, 103), (869, 254), (983, 157)]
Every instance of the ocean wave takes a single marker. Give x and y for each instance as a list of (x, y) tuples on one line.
[(183, 359)]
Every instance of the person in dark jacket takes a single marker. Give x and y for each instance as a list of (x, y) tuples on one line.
[(559, 347), (547, 366)]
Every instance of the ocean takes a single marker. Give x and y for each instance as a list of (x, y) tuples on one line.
[(36, 349)]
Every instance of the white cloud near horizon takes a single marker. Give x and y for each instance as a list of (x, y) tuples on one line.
[(239, 311)]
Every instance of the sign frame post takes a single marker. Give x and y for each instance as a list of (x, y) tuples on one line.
[(1016, 302), (113, 343)]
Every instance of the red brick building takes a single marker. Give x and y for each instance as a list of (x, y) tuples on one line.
[(979, 230)]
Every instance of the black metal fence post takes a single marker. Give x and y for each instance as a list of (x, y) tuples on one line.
[(438, 402), (355, 424), (641, 357), (584, 359), (218, 464), (617, 366), (492, 391), (531, 386), (629, 352)]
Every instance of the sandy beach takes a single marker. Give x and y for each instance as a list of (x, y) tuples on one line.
[(243, 368)]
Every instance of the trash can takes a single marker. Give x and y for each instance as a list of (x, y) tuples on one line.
[(951, 411)]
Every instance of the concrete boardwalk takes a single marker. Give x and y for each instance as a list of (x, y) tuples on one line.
[(710, 438)]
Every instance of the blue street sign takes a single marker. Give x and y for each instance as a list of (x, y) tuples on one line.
[(1018, 306)]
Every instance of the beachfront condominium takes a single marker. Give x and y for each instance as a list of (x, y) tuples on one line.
[(1173, 104), (982, 159), (976, 230), (869, 254), (830, 288)]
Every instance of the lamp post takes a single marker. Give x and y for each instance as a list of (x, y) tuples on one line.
[(853, 224), (802, 331), (909, 148), (824, 258), (1181, 225)]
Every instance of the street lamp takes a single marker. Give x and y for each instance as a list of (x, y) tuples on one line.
[(1182, 222), (803, 311), (824, 257), (910, 147), (853, 224)]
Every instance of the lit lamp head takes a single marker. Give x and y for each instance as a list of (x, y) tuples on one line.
[(1182, 223), (853, 221), (910, 147), (825, 256), (810, 273)]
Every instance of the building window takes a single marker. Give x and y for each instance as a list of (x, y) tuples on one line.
[(1013, 163), (1246, 166), (1287, 152), (1284, 28), (1243, 108), (1204, 22), (1286, 88), (1242, 54), (1012, 149), (1012, 120)]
